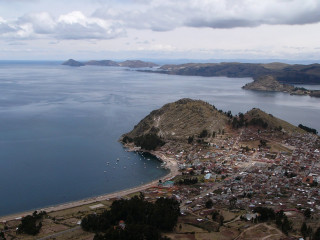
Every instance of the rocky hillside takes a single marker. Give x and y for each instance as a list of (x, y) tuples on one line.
[(180, 119), (259, 118), (187, 119), (268, 83)]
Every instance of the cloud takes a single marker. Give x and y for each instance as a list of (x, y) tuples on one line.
[(74, 25), (112, 18), (164, 15)]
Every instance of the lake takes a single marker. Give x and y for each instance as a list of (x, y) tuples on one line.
[(59, 126)]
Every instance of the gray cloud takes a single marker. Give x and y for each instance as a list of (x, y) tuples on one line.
[(74, 25), (164, 15), (160, 15)]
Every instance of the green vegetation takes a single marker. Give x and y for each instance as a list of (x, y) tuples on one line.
[(31, 224), (310, 130), (300, 88), (127, 139), (188, 181), (149, 141), (2, 237), (239, 121), (266, 214), (209, 204), (281, 220), (217, 217), (316, 235), (283, 223), (140, 219), (203, 134), (190, 139), (307, 213), (258, 122), (306, 231)]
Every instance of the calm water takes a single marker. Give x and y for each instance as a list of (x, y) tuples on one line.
[(59, 126)]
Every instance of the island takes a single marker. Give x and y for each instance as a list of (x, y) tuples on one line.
[(245, 176), (110, 63), (270, 83)]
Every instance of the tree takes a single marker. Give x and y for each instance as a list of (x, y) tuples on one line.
[(2, 237), (190, 139), (221, 220), (307, 213), (265, 213), (286, 225), (149, 141), (209, 204), (316, 235), (31, 224), (143, 220), (215, 215), (204, 133), (304, 230), (309, 231), (233, 202)]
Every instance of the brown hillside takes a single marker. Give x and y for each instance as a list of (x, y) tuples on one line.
[(273, 122), (181, 119)]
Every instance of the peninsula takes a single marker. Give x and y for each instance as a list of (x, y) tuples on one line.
[(270, 83), (284, 73)]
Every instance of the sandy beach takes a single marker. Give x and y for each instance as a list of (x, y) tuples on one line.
[(171, 164)]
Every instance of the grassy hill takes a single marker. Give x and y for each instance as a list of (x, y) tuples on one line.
[(270, 121), (181, 119)]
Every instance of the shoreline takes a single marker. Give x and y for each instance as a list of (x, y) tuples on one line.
[(171, 165)]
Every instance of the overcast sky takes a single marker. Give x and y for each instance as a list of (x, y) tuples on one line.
[(129, 29)]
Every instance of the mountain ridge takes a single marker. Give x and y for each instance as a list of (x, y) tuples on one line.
[(284, 73), (127, 63)]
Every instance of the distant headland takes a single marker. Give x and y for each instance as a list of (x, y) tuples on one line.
[(270, 83), (284, 73), (110, 63)]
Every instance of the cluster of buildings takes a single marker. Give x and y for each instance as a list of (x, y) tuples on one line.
[(286, 179)]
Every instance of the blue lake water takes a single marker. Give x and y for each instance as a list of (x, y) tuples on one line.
[(59, 126)]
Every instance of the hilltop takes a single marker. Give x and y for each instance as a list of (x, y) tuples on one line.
[(186, 120), (127, 63), (73, 63), (257, 117), (180, 119)]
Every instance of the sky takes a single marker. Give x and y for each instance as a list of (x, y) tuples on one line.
[(159, 29)]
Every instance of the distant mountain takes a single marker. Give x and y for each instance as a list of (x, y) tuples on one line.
[(137, 64), (284, 73), (73, 63), (102, 63), (127, 63)]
